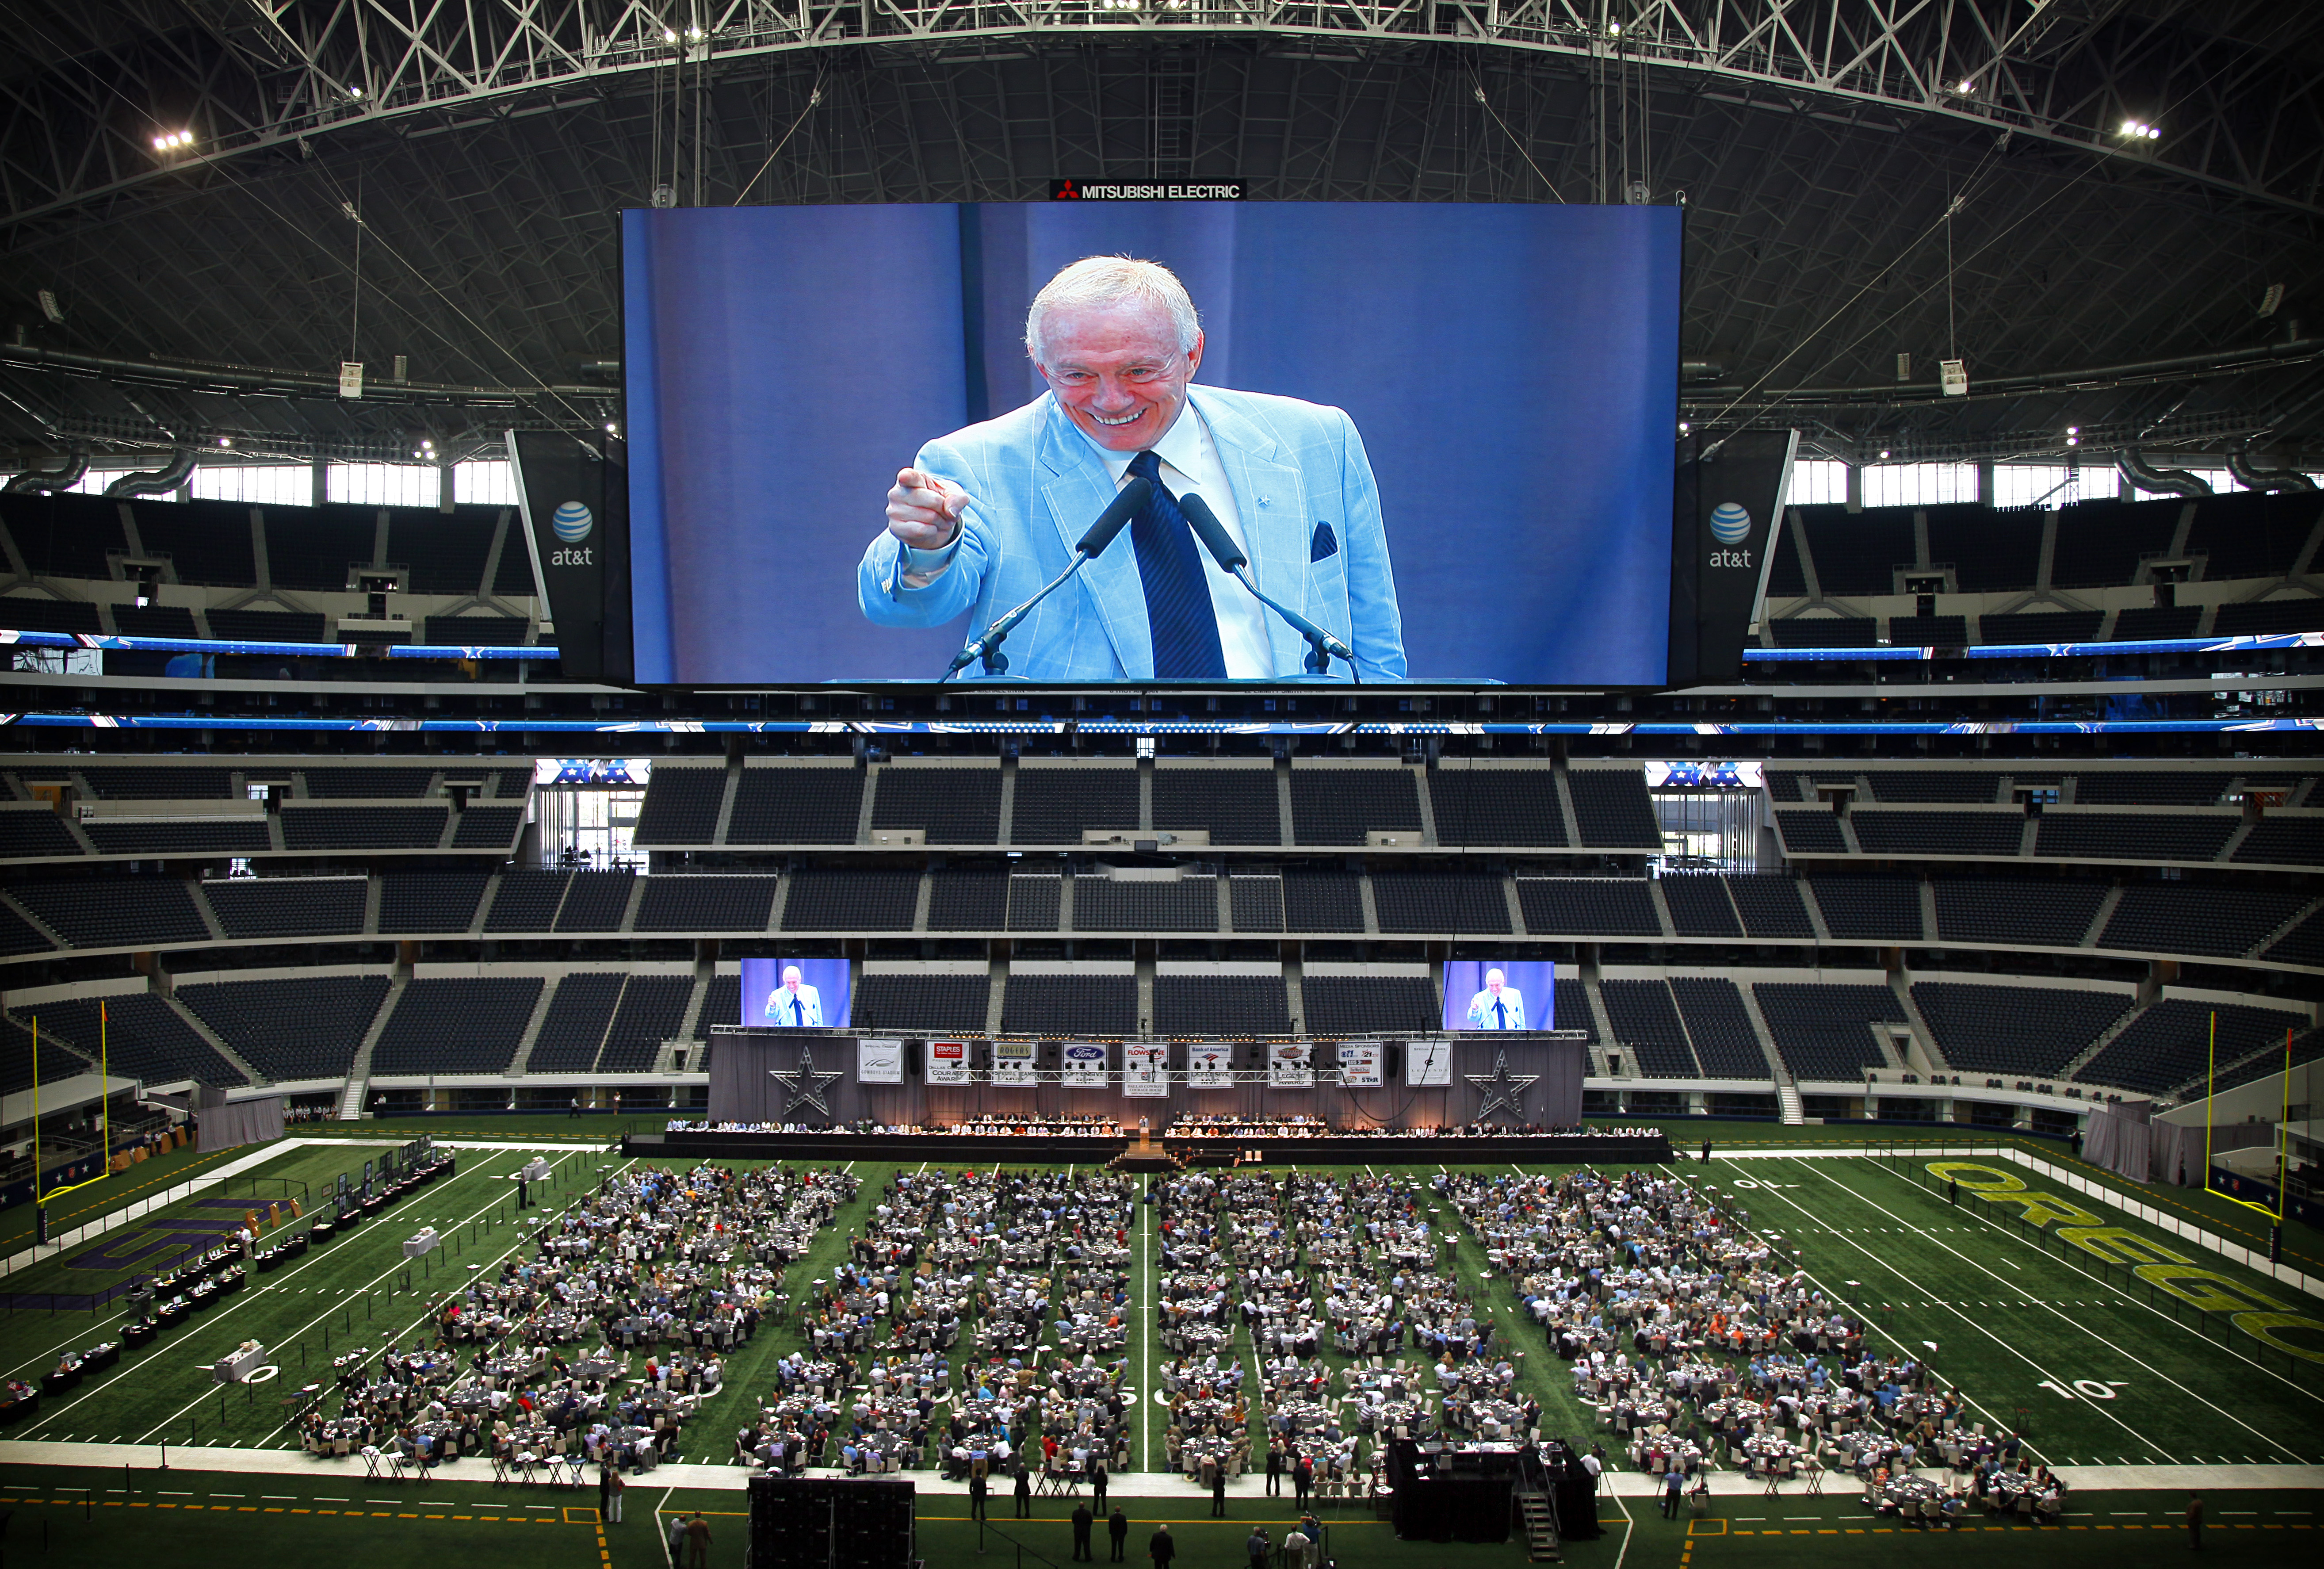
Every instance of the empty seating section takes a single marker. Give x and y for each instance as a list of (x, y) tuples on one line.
[(430, 901), (313, 547), (2253, 533), (2069, 835), (1825, 631), (18, 937), (2144, 623), (488, 828), (870, 899), (681, 807), (1497, 805), (1036, 902), (158, 783), (710, 903), (2041, 626), (1869, 909), (1990, 550), (953, 1005), (2035, 1030), (1341, 806), (1826, 1031), (722, 1004), (289, 906), (2285, 841), (455, 1024), (2302, 945), (797, 806), (298, 1027), (165, 621), (526, 901), (362, 828), (1858, 553), (115, 912), (1810, 831), (2111, 789), (574, 1026), (16, 1055), (965, 898), (1054, 806), (954, 805), (1994, 831), (1771, 906), (267, 626), (1785, 579), (2175, 918), (1646, 1021), (141, 1037), (2014, 910), (166, 838), (1725, 1044), (372, 784), (1322, 901), (446, 552), (1595, 906), (1238, 806), (1928, 631), (1922, 786), (2170, 1044), (1440, 901), (1571, 1008), (27, 832), (652, 1010), (597, 901), (1220, 1005), (506, 784), (475, 631), (1612, 810), (1185, 904), (1070, 1005), (2267, 616), (64, 536), (1699, 906), (1255, 902), (2100, 543), (28, 612), (1370, 1004)]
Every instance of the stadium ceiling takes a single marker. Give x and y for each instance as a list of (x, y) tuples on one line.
[(221, 199)]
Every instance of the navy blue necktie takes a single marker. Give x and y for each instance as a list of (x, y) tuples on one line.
[(1501, 1016), (1184, 627), (798, 1012)]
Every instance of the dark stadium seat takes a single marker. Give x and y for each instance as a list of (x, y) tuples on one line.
[(1339, 806), (2034, 1030), (1255, 902), (475, 631), (305, 827), (1725, 1043), (1070, 1005), (1909, 787), (526, 901), (1183, 904), (1237, 805), (2051, 914), (1036, 902), (1316, 900), (455, 1024), (1995, 831), (2284, 841), (287, 907), (295, 1027), (1055, 805), (430, 901), (652, 1010), (1571, 1008), (708, 903), (2170, 1044), (163, 621), (115, 912), (167, 836), (1990, 552), (2100, 543), (158, 783), (953, 806), (2071, 834), (1357, 1005), (141, 1037), (1785, 578), (1647, 1023), (1870, 907), (1825, 631), (374, 784), (908, 1002), (597, 901), (1469, 902), (681, 807), (27, 833), (36, 612), (17, 935), (1699, 906), (1858, 553), (2254, 534), (1611, 809), (1497, 805), (968, 898), (2121, 787), (1810, 831), (488, 828), (2041, 626), (722, 1004), (1928, 631), (2182, 918), (58, 1061), (574, 1028), (797, 806), (860, 900), (2302, 945), (207, 541), (268, 626), (311, 548), (1826, 1031), (1588, 906), (2147, 623), (446, 552), (1220, 1005), (1771, 905)]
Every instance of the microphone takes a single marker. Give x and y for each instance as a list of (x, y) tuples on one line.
[(1127, 504), (1321, 646)]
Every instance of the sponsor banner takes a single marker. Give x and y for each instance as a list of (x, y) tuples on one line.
[(1209, 1068), (1144, 190), (1726, 509), (1146, 1070), (1741, 774), (879, 1062), (1428, 1064), (575, 499), (1289, 1065), (1085, 1066), (1359, 1064), (1013, 1064), (611, 771), (948, 1062)]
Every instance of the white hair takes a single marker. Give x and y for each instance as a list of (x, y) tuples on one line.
[(1104, 280)]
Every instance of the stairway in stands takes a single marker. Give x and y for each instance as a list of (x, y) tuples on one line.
[(1787, 1095)]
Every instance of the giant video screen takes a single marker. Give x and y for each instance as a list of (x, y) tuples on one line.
[(1398, 441)]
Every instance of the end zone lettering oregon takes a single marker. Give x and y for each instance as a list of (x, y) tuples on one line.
[(2158, 1265)]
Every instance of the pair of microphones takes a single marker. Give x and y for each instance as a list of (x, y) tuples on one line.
[(1233, 560)]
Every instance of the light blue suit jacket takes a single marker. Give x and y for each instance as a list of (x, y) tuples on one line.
[(1039, 485)]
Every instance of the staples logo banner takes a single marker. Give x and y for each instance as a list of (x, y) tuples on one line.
[(948, 1062)]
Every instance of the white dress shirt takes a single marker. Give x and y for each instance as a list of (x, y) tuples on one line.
[(1190, 461)]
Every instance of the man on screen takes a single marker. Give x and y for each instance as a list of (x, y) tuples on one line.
[(795, 1004), (1500, 1006), (986, 515)]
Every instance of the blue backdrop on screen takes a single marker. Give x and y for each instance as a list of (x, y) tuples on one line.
[(819, 1000), (1525, 999), (1512, 371)]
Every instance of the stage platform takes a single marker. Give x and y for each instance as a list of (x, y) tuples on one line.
[(1547, 1149)]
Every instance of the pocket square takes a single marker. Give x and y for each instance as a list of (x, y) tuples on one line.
[(1324, 545)]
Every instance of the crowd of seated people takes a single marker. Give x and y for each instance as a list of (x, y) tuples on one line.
[(1230, 1125)]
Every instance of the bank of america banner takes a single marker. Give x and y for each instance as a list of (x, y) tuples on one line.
[(1013, 1063), (1289, 1066), (1146, 1070), (948, 1062), (879, 1062), (1086, 1067), (1209, 1068), (1360, 1065)]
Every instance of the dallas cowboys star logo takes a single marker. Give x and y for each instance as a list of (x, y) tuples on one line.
[(803, 1086), (1501, 1087)]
